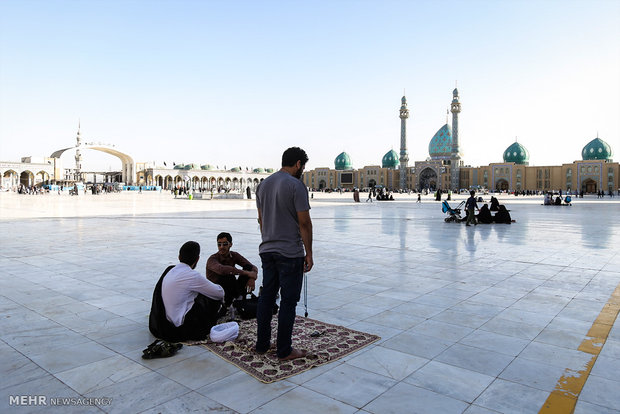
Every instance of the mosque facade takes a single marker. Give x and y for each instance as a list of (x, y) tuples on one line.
[(445, 169)]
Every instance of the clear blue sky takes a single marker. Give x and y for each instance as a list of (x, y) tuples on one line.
[(235, 83)]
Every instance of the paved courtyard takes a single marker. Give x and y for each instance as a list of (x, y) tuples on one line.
[(479, 319)]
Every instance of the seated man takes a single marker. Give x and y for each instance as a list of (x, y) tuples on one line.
[(185, 304), (221, 269)]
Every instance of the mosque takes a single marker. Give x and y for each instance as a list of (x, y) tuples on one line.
[(444, 168)]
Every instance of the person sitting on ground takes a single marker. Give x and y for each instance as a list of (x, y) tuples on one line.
[(494, 204), (484, 215), (185, 304), (558, 201), (221, 270), (502, 216)]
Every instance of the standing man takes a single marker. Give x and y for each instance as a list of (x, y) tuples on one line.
[(286, 229), (470, 205)]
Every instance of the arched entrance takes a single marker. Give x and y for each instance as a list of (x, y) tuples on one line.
[(372, 183), (26, 178), (428, 179), (322, 184), (501, 185), (9, 179), (127, 163), (589, 186)]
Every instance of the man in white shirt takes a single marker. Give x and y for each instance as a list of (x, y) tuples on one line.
[(185, 304)]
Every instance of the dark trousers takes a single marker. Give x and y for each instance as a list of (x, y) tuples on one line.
[(284, 274), (233, 287)]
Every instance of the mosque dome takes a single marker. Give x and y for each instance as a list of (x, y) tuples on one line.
[(191, 167), (235, 169), (441, 143), (390, 160), (269, 170), (597, 149), (342, 162), (179, 167), (517, 153), (258, 170), (207, 167)]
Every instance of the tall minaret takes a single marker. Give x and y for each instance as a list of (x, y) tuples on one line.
[(455, 156), (78, 156), (404, 156)]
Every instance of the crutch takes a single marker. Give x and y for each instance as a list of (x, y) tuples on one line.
[(306, 294)]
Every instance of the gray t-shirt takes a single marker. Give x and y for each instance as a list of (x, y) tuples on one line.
[(279, 197)]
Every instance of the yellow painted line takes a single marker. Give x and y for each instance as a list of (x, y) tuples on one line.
[(563, 398)]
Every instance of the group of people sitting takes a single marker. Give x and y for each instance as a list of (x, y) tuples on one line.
[(484, 213), (186, 304), (557, 201)]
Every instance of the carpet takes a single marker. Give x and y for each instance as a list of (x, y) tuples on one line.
[(333, 342)]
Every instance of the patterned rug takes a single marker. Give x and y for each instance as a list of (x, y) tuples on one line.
[(329, 343)]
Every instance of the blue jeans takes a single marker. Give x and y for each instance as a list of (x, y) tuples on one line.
[(285, 274)]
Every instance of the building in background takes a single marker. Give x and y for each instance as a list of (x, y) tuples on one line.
[(444, 168)]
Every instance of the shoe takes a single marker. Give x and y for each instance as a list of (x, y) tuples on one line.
[(468, 225), (161, 349), (295, 353)]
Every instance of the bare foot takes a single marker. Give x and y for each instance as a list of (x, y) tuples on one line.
[(295, 353)]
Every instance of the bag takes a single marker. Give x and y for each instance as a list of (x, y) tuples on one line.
[(248, 305)]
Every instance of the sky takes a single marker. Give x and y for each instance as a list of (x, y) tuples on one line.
[(236, 83)]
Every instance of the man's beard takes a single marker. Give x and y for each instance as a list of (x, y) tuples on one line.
[(298, 174)]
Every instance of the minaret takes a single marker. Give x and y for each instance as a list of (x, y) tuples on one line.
[(78, 156), (455, 156), (404, 156)]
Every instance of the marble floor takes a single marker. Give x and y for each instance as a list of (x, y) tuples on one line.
[(480, 319)]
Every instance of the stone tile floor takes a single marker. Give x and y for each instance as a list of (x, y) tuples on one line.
[(478, 320)]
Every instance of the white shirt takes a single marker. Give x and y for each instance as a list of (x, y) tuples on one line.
[(179, 290)]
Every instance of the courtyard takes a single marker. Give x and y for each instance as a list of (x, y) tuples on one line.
[(480, 319)]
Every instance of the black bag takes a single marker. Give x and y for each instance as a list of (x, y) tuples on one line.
[(248, 305)]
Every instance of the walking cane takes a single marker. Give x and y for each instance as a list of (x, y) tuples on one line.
[(306, 294)]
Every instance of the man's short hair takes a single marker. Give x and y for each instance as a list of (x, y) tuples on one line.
[(224, 234), (189, 253), (292, 155)]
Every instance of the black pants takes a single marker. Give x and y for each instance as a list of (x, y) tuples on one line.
[(233, 287)]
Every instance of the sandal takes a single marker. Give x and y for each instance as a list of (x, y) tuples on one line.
[(161, 349)]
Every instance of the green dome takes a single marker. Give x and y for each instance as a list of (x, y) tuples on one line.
[(179, 167), (597, 149), (441, 143), (235, 169), (269, 170), (191, 167), (258, 170), (207, 167), (517, 153), (390, 160), (342, 162)]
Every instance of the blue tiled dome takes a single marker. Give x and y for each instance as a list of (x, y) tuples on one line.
[(390, 160), (517, 153), (597, 149), (342, 162), (441, 143)]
